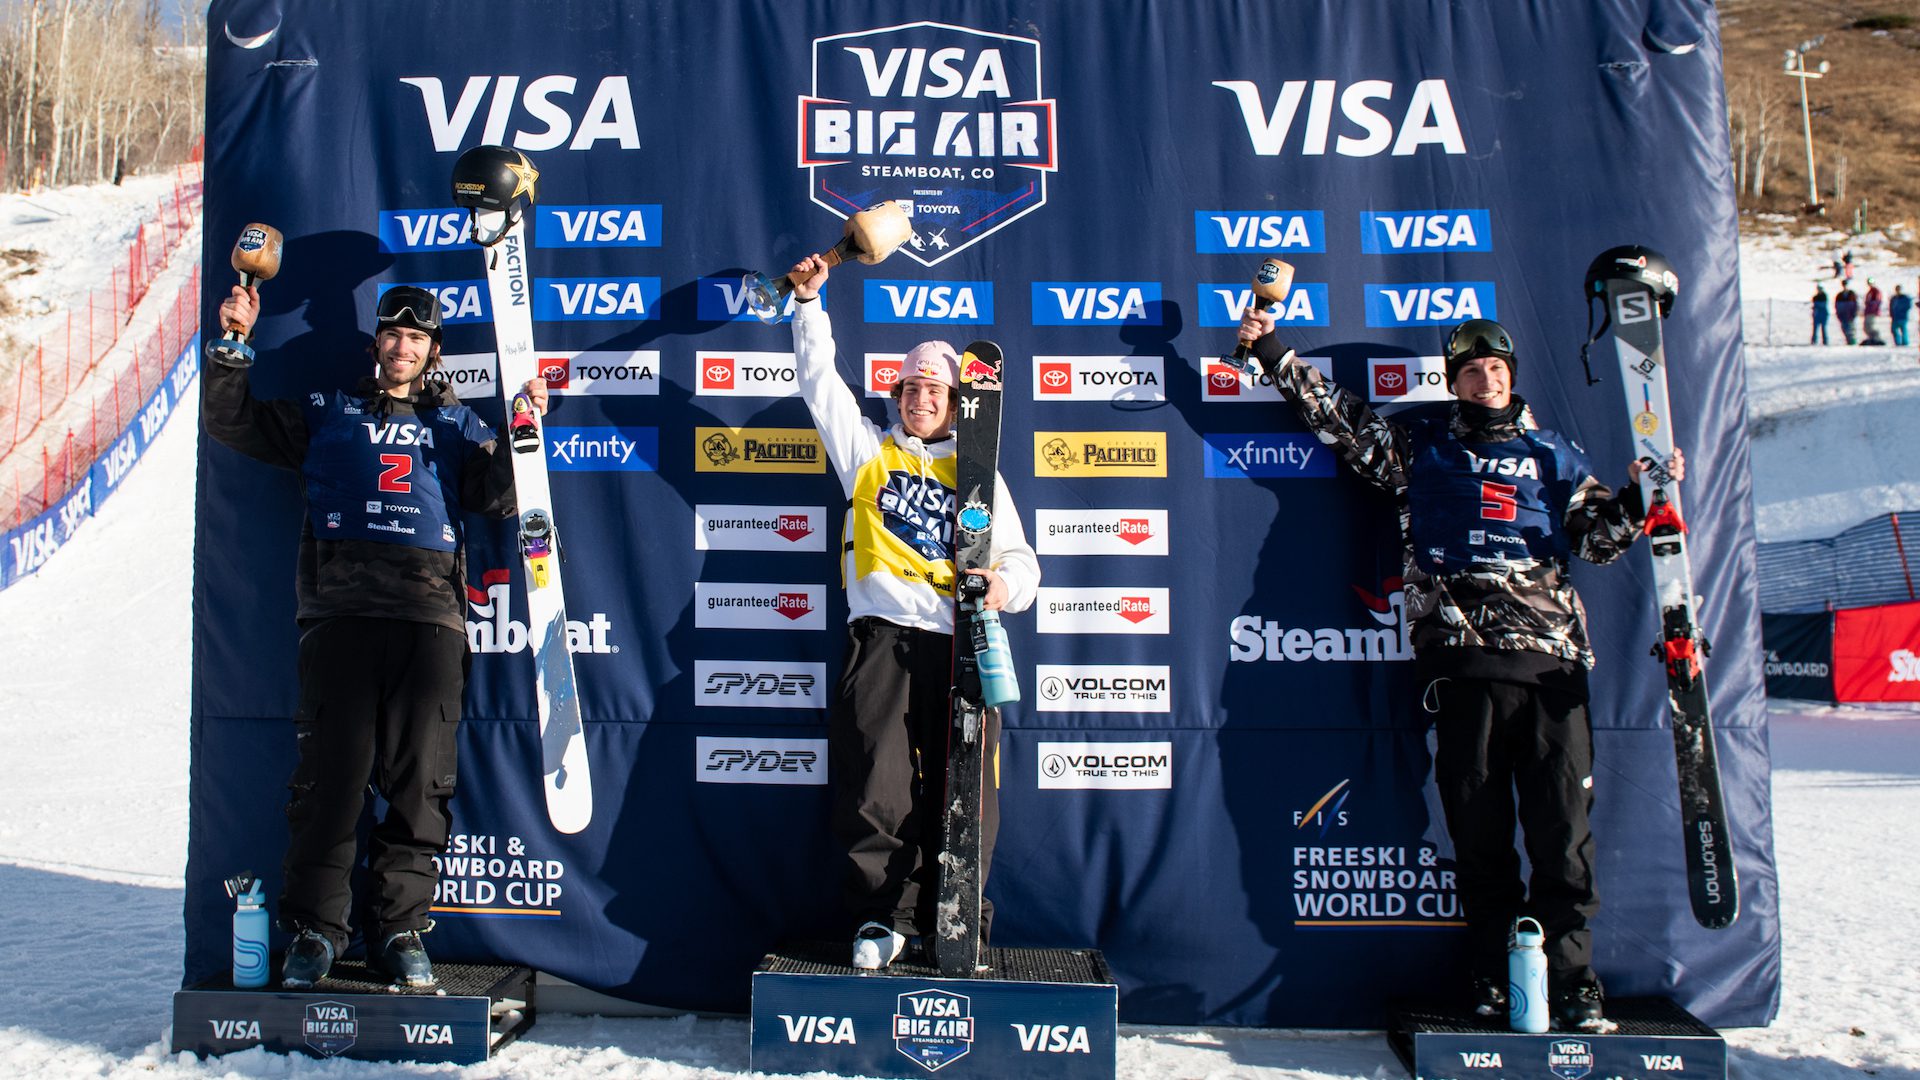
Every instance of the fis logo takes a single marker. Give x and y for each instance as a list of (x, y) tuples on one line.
[(788, 762), (1427, 118), (460, 301), (607, 299), (603, 449), (948, 121), (550, 112), (443, 229), (959, 303), (1265, 454), (1221, 303), (724, 299), (1099, 378), (746, 374), (1226, 232), (1391, 232), (1096, 303), (1327, 811), (1253, 638), (1404, 380), (1431, 303), (883, 373), (634, 225), (491, 627)]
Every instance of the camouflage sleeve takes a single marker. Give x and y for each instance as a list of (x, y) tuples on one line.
[(1364, 440), (1600, 525), (486, 485), (271, 431)]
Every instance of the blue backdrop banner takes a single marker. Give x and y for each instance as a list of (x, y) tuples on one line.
[(1220, 775)]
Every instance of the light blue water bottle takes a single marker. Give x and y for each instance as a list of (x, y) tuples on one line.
[(998, 684), (1527, 978), (249, 932)]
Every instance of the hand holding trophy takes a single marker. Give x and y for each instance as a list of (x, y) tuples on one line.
[(1270, 285), (256, 258), (870, 236)]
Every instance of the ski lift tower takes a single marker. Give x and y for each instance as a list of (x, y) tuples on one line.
[(1796, 66)]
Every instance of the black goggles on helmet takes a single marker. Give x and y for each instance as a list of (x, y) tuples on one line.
[(1478, 338)]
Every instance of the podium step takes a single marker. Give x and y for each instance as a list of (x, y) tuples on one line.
[(1657, 1040)]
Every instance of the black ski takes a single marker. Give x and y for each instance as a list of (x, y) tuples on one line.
[(1620, 278), (956, 939)]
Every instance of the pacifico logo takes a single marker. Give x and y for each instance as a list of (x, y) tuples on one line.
[(1099, 453), (950, 122), (1254, 638), (758, 450)]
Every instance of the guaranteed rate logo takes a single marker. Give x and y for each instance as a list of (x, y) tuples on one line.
[(952, 123)]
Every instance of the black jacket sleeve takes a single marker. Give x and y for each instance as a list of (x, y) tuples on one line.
[(486, 485), (271, 431)]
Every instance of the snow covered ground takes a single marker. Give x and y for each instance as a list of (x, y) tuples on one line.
[(93, 713)]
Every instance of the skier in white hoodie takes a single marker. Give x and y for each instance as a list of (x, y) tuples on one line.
[(887, 725)]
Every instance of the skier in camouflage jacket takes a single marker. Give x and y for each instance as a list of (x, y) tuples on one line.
[(1492, 507)]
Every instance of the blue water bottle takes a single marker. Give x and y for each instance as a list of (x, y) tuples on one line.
[(998, 685), (1527, 978), (249, 932)]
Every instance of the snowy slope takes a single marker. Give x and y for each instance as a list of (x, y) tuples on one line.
[(93, 713)]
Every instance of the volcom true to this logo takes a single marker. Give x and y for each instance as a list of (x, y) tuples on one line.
[(951, 123)]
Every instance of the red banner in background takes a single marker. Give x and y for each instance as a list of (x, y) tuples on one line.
[(1876, 653)]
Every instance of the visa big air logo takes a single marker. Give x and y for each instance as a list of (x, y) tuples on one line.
[(960, 303), (1389, 232), (1221, 303), (1096, 303), (633, 225), (605, 299), (1221, 232), (460, 301), (951, 122), (1430, 303)]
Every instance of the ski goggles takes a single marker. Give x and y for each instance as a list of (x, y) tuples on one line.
[(1476, 338)]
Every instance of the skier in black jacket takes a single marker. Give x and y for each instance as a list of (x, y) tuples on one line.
[(387, 468), (1491, 507)]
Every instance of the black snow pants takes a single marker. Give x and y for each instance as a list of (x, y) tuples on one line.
[(887, 731), (379, 709), (1496, 739)]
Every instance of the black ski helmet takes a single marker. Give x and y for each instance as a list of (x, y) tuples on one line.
[(1478, 338), (493, 178), (1631, 262), (409, 305)]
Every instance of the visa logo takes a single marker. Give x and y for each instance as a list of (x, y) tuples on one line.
[(1663, 1062), (562, 299), (424, 230), (1427, 120), (724, 299), (1480, 1059), (636, 225), (427, 1034), (608, 115), (1220, 232), (1052, 1039), (460, 301), (1433, 303), (957, 302), (1093, 303), (227, 1030), (1222, 302), (819, 1029), (1392, 231)]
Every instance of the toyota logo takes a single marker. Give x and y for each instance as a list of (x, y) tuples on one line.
[(719, 373), (1392, 380), (1223, 378), (1053, 378), (886, 376)]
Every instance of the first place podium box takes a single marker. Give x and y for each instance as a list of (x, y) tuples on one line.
[(1040, 1013), (1657, 1040), (475, 1010)]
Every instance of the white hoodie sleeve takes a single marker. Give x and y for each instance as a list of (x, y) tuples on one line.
[(850, 438), (1011, 556)]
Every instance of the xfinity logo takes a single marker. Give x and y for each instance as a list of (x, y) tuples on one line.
[(629, 226), (1431, 303), (1221, 303), (1130, 766), (1109, 610), (1109, 688), (1226, 232), (1096, 303), (550, 104), (614, 298), (603, 449), (1264, 454), (961, 303), (1099, 378), (793, 762), (1427, 118), (760, 684), (1388, 232), (1100, 532), (735, 527), (950, 122)]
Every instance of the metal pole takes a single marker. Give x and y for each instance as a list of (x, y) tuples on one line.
[(1806, 121)]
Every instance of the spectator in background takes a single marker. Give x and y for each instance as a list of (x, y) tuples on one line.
[(1897, 311), (1846, 306), (1870, 312), (1819, 316), (1846, 268)]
